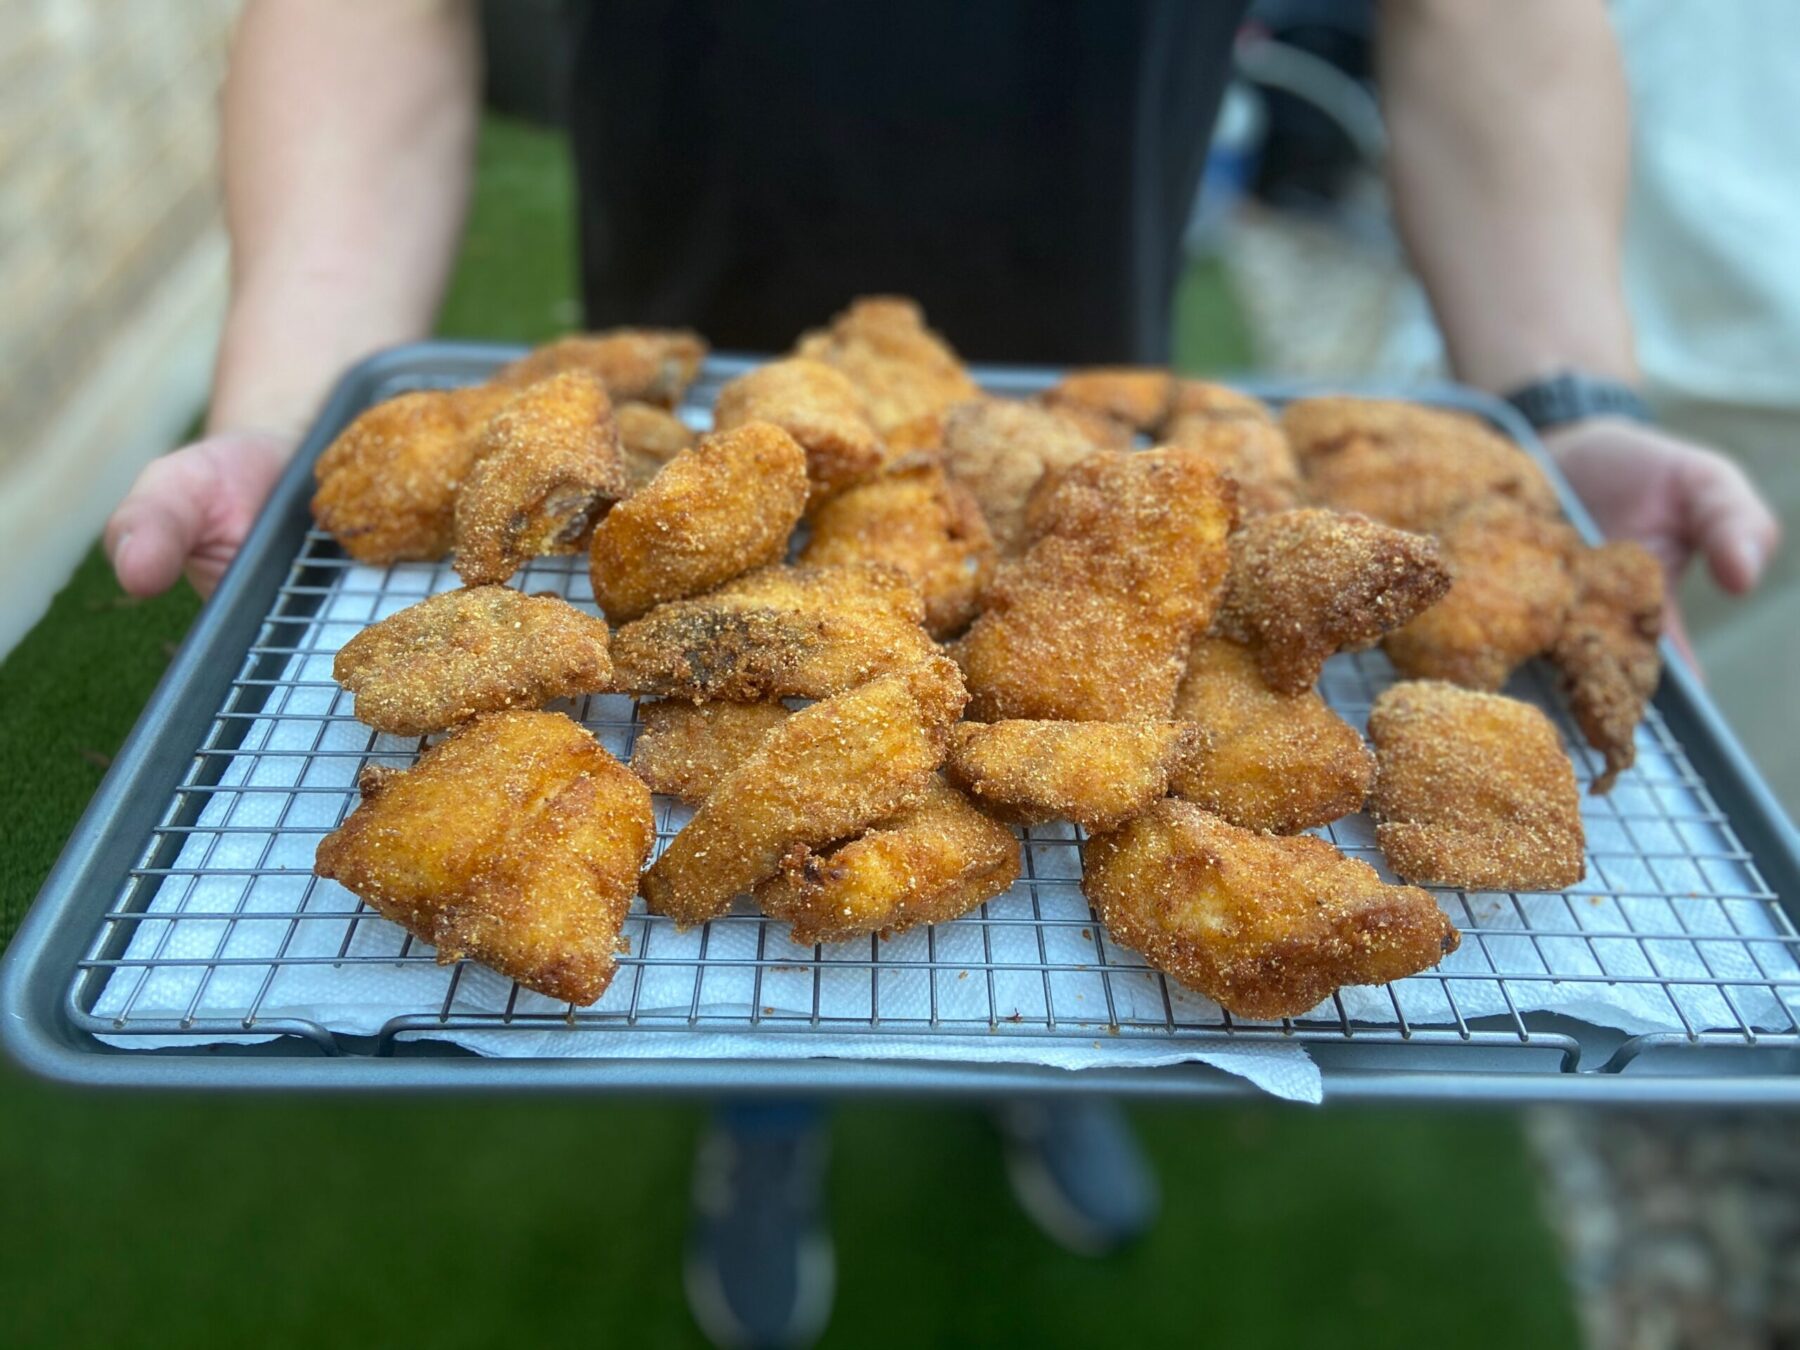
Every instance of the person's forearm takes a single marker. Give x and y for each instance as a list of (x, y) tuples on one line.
[(1509, 132), (348, 147)]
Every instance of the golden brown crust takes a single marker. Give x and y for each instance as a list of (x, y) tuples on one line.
[(1473, 790), (930, 863), (388, 483), (825, 773), (915, 518), (1607, 650), (1251, 450), (646, 365), (516, 841), (1000, 449), (1096, 774), (688, 749), (1304, 584), (1093, 623), (1508, 596), (1407, 465), (448, 658), (901, 368), (1219, 402), (816, 405), (1139, 396), (547, 466), (781, 632), (1268, 761), (648, 439), (713, 513), (1264, 925)]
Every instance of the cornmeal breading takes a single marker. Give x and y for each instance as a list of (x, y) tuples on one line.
[(827, 772), (460, 653), (929, 863), (516, 841), (1473, 790), (1264, 760), (713, 513), (1267, 926), (1096, 774), (688, 749)]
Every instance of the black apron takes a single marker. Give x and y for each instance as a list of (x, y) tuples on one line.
[(1024, 168)]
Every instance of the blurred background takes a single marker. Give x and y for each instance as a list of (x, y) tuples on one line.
[(209, 1222)]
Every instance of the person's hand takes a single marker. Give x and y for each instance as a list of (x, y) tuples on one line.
[(189, 511), (1675, 498)]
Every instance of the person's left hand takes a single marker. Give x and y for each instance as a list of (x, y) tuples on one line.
[(1673, 497)]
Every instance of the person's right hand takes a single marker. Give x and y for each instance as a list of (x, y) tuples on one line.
[(189, 511)]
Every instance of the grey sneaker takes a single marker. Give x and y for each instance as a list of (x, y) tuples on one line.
[(759, 1270), (1076, 1169)]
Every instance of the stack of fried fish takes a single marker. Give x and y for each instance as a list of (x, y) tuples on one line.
[(1110, 605)]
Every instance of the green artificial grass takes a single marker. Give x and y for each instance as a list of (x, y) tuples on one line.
[(227, 1221), (277, 1223)]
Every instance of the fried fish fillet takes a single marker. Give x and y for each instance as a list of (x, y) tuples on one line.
[(1406, 465), (919, 520), (477, 650), (782, 632), (713, 513), (688, 749), (825, 773), (1267, 761), (819, 407), (645, 365), (902, 369), (1096, 774), (1219, 402), (648, 439), (1304, 584), (1094, 622), (928, 863), (1267, 926), (547, 466), (516, 841), (1607, 649), (1473, 790), (1000, 449), (1253, 451), (1142, 397), (1509, 593), (388, 483)]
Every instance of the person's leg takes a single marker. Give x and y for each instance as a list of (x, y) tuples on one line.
[(759, 1269), (1078, 1172)]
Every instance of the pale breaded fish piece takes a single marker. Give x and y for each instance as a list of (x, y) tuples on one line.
[(460, 653), (547, 467), (1473, 790), (686, 749), (1095, 774), (1267, 926), (913, 516), (781, 632), (516, 842), (644, 365), (1094, 621), (1304, 584), (928, 863), (716, 511), (1265, 760), (826, 773)]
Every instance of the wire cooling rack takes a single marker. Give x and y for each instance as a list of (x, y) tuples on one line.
[(1672, 970)]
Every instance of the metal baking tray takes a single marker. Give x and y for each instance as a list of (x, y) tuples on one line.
[(1705, 922)]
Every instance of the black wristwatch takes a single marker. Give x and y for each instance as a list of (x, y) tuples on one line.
[(1570, 397)]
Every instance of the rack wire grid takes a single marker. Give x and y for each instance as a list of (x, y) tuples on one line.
[(218, 931)]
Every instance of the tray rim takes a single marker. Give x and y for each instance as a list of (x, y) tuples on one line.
[(36, 1035)]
